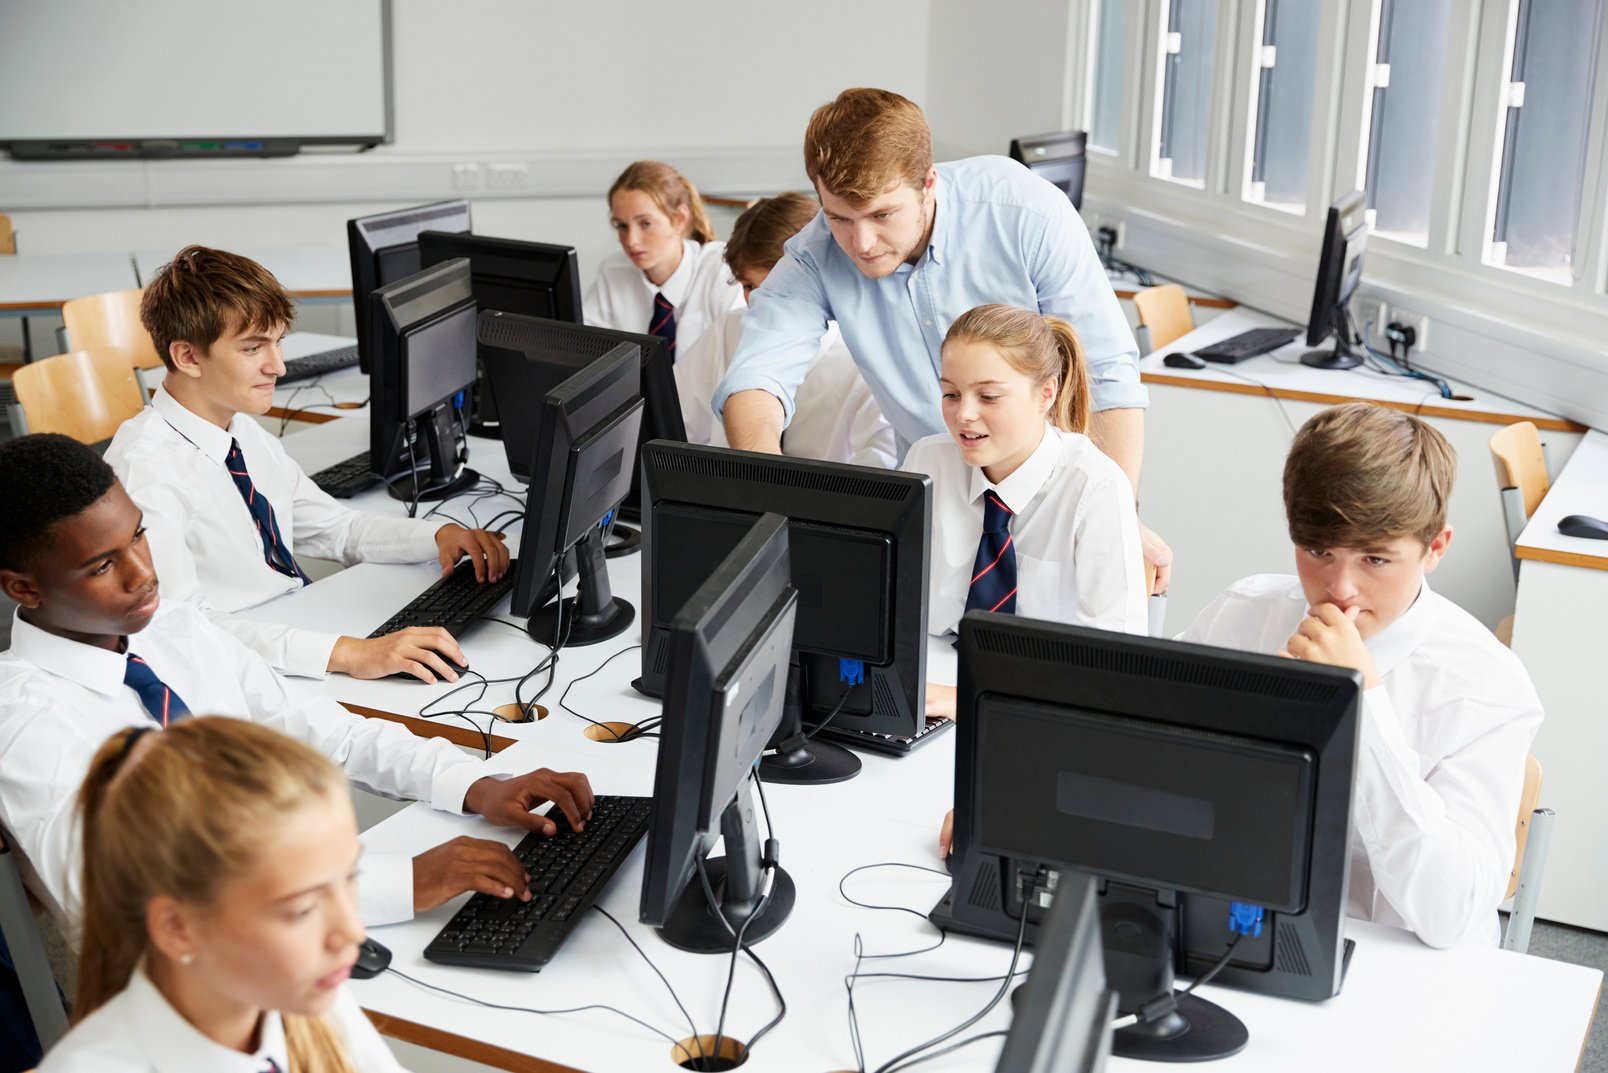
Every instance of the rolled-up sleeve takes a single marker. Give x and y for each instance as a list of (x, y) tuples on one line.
[(781, 337)]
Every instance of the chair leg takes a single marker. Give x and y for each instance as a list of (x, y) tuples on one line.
[(1522, 919), (28, 956)]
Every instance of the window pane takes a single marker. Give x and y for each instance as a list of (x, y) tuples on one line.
[(1105, 85), (1285, 83), (1543, 157), (1410, 59), (1187, 41)]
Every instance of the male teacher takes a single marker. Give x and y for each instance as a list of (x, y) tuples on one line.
[(900, 249)]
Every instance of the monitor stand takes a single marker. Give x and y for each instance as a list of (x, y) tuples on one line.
[(626, 541), (738, 883), (790, 757), (446, 475), (594, 613), (1343, 355)]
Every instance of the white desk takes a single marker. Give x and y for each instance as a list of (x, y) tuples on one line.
[(310, 273), (1560, 626), (34, 283), (322, 398)]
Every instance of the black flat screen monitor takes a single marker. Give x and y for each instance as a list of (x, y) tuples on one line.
[(732, 641), (1345, 237), (423, 331), (1064, 1010), (581, 450), (859, 542), (385, 248), (534, 279), (1058, 158), (1183, 779)]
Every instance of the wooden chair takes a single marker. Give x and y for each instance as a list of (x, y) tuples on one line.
[(8, 237), (21, 931), (1164, 312), (1533, 834), (85, 394), (1521, 474), (111, 320)]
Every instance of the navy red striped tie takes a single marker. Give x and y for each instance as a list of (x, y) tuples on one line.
[(664, 322), (163, 704), (274, 551), (993, 583)]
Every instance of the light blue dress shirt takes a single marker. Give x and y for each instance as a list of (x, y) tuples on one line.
[(1001, 234)]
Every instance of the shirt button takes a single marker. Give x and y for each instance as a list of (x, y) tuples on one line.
[(928, 323)]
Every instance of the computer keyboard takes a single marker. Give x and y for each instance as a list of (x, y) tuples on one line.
[(453, 603), (328, 361), (347, 478), (890, 744), (1247, 344), (568, 871)]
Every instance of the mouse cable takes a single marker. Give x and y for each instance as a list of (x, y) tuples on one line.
[(692, 1028), (563, 698), (967, 1042), (942, 935), (550, 664)]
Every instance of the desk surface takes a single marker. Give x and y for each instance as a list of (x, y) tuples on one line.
[(40, 282), (323, 398), (1280, 373), (1582, 488), (304, 271)]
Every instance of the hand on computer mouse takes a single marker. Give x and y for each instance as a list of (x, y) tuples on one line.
[(940, 702), (428, 653)]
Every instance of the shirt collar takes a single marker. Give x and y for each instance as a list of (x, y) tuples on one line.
[(89, 666), (1020, 488), (938, 242), (208, 438), (174, 1045), (676, 287), (1393, 644)]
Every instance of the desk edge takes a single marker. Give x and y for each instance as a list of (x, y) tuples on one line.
[(462, 1046), (1563, 558), (424, 728)]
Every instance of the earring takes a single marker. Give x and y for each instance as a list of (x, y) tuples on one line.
[(185, 959)]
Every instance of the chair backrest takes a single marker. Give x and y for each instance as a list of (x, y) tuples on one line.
[(1164, 310), (110, 320), (85, 394), (8, 237), (1528, 799), (1521, 463), (21, 933)]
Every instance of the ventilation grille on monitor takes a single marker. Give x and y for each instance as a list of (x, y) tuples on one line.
[(661, 655), (985, 886), (1289, 956), (520, 334), (439, 211), (1170, 668), (738, 469)]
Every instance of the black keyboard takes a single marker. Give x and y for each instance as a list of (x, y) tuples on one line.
[(568, 871), (328, 361), (453, 603), (1247, 344), (887, 744), (345, 479)]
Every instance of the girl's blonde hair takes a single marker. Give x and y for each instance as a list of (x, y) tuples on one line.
[(671, 191), (1039, 347), (182, 819)]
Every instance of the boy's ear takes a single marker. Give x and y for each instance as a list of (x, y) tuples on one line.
[(1437, 548), (186, 358), (20, 588)]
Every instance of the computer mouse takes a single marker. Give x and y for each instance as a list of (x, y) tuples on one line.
[(372, 958), (1183, 359), (1583, 525)]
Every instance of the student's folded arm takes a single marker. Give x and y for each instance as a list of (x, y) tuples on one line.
[(781, 336), (1106, 560), (1441, 847)]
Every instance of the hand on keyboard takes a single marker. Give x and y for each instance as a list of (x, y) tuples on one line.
[(467, 864), (487, 552), (508, 802), (428, 653)]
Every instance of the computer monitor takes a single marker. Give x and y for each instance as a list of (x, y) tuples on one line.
[(1184, 779), (585, 434), (384, 248), (1345, 236), (731, 640), (859, 542), (423, 331), (1058, 157), (1064, 1011)]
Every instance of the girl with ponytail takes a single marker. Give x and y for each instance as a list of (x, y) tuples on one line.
[(220, 908), (669, 278), (1029, 517)]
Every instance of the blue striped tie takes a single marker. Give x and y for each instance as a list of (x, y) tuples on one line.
[(274, 551), (664, 322), (993, 583), (163, 704)]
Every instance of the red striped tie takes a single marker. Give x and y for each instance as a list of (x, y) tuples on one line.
[(993, 583)]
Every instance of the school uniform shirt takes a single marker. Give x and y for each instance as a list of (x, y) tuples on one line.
[(203, 541), (701, 289), (1440, 756), (1000, 234), (837, 419), (1075, 532), (139, 1031), (60, 700)]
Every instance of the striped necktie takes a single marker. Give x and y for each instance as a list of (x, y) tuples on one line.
[(163, 704), (274, 551), (993, 583), (664, 322)]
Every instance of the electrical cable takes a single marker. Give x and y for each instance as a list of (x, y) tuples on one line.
[(529, 1009), (848, 687), (1133, 1018), (662, 978), (564, 697)]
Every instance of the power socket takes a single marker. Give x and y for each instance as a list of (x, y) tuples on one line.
[(1104, 230), (1375, 315), (1420, 329)]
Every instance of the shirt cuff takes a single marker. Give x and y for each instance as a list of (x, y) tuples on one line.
[(1119, 395), (422, 541), (748, 381), (449, 787), (385, 888), (307, 653)]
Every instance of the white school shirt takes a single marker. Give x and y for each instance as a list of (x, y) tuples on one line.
[(60, 700), (204, 543), (1440, 756), (139, 1031), (1075, 531), (701, 289), (836, 419)]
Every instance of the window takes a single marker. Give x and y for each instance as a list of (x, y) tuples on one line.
[(1110, 46), (1535, 214), (1404, 84), (1187, 40), (1283, 84)]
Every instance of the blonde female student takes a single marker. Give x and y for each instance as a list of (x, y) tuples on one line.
[(1029, 517), (220, 909), (669, 278)]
